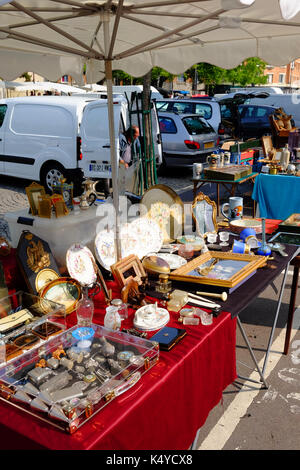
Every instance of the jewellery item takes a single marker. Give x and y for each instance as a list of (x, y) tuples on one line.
[(114, 365), (67, 363), (26, 341), (41, 363), (56, 382), (108, 349), (136, 360), (66, 394), (38, 374), (15, 319), (187, 312), (89, 378), (125, 356), (53, 363), (58, 352), (190, 321)]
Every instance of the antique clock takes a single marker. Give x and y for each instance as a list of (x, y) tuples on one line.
[(66, 190)]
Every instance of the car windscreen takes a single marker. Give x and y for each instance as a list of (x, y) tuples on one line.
[(196, 126)]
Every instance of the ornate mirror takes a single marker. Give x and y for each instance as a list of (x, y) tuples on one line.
[(204, 213)]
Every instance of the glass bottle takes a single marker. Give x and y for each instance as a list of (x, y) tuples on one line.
[(285, 157), (122, 308), (85, 309)]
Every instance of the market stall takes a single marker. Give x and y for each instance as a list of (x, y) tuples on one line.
[(49, 377)]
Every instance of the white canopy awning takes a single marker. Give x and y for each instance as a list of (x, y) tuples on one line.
[(55, 38), (48, 86)]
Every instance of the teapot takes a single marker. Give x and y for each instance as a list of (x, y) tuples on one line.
[(90, 191)]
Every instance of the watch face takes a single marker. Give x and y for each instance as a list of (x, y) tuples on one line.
[(66, 195)]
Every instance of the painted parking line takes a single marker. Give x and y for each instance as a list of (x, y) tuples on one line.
[(230, 419)]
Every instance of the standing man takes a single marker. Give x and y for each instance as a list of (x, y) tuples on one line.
[(129, 141)]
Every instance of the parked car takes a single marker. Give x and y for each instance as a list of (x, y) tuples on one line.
[(230, 116), (208, 109), (186, 138), (254, 120)]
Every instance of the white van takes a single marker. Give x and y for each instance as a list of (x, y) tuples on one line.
[(44, 137), (290, 102)]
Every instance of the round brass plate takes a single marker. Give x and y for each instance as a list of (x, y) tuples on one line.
[(65, 291), (44, 277)]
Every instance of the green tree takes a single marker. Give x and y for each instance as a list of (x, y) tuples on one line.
[(250, 72)]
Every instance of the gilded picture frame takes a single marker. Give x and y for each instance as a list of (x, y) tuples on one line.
[(128, 268), (204, 215), (216, 268), (34, 191)]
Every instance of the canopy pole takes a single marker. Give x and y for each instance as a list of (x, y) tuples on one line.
[(114, 157)]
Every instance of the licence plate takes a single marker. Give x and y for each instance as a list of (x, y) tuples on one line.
[(208, 145), (100, 167)]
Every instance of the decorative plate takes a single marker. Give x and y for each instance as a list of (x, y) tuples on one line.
[(237, 226), (149, 235), (174, 261), (150, 318), (81, 265), (105, 248), (196, 242), (165, 207)]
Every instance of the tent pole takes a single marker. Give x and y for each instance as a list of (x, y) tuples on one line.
[(114, 159)]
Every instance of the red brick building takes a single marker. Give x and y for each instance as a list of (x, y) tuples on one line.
[(286, 76)]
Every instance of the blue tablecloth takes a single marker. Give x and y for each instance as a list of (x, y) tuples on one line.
[(278, 196)]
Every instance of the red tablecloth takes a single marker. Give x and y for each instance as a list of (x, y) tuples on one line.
[(164, 409)]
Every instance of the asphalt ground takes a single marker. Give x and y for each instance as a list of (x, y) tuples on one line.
[(249, 416)]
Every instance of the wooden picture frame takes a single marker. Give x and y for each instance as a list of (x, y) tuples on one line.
[(45, 206), (33, 192), (204, 215), (128, 268), (222, 269)]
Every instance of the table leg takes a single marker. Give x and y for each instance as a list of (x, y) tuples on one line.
[(218, 199), (276, 316), (251, 352), (291, 309)]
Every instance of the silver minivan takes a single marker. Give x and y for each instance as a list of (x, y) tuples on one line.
[(186, 139)]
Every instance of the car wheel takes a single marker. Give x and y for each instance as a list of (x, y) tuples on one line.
[(51, 174)]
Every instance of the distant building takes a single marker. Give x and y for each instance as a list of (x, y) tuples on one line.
[(286, 77)]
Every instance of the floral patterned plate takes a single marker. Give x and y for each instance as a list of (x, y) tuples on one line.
[(81, 264), (149, 236), (174, 261)]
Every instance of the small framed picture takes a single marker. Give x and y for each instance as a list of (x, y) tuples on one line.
[(128, 268), (34, 192)]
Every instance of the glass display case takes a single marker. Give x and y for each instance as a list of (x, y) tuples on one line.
[(26, 321), (73, 375)]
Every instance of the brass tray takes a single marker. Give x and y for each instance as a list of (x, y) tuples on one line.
[(165, 207)]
